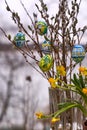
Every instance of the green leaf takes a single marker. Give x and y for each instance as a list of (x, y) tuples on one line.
[(78, 81), (64, 104), (68, 105), (81, 81)]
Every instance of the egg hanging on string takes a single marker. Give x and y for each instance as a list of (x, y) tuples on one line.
[(19, 39), (46, 63), (41, 27), (78, 53), (46, 47)]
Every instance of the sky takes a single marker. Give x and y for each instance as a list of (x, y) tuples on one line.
[(6, 21), (30, 5), (16, 6)]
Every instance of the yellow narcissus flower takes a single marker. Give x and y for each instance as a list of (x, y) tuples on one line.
[(61, 70), (39, 115), (53, 82), (84, 90), (55, 120), (83, 70)]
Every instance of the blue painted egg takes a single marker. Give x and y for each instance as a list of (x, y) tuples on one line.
[(41, 27), (19, 39), (78, 53), (46, 47)]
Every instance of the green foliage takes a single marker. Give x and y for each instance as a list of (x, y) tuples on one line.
[(68, 105), (78, 81)]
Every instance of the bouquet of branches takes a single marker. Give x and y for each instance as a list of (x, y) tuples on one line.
[(54, 44)]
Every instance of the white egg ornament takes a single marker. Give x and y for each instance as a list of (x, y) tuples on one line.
[(78, 53), (19, 39)]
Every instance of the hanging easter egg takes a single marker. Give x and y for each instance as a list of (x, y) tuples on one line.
[(46, 47), (46, 63), (19, 39), (78, 53), (41, 28)]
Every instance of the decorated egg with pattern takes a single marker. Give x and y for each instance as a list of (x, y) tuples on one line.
[(46, 63), (19, 39), (46, 47), (41, 27), (78, 53)]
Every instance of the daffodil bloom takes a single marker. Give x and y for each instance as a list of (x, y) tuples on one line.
[(84, 90), (83, 70), (53, 82), (55, 120), (61, 70), (39, 115)]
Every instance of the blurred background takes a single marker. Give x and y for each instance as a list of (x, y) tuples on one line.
[(22, 90)]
